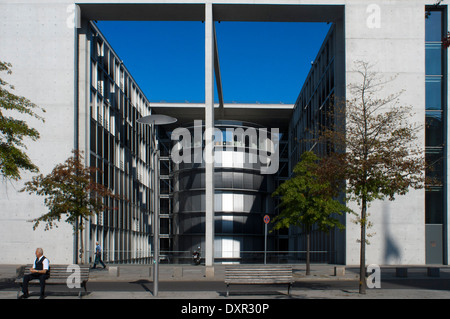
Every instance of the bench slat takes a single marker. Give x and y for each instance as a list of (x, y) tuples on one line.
[(261, 282), (58, 274), (258, 275)]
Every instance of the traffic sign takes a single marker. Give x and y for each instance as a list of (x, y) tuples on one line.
[(266, 219)]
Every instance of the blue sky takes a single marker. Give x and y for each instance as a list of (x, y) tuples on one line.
[(259, 62)]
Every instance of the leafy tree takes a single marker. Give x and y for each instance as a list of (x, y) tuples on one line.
[(70, 191), (14, 130), (378, 156), (307, 201)]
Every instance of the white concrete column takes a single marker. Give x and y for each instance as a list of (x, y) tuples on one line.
[(209, 129), (83, 131)]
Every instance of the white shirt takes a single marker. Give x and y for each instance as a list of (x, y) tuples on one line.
[(45, 263)]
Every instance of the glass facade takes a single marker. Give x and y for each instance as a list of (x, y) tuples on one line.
[(242, 197), (435, 152), (314, 103), (312, 113), (121, 150)]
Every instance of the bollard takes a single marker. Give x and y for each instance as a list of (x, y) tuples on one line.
[(339, 271), (114, 271), (177, 272)]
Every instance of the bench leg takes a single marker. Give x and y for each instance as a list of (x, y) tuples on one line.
[(19, 292), (85, 290), (289, 289)]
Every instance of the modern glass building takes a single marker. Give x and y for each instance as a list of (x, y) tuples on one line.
[(63, 63), (121, 150)]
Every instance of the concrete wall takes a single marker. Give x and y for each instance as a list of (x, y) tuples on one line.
[(36, 40), (395, 45)]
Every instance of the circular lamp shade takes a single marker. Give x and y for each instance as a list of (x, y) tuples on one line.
[(157, 119)]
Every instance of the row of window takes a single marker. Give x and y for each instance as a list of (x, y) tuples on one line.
[(227, 246), (252, 224), (122, 152), (435, 114), (314, 106), (195, 179), (192, 202), (122, 218)]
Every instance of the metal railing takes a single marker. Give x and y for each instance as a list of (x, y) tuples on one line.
[(185, 257)]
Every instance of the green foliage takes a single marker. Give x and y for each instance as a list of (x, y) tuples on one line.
[(307, 199), (70, 190), (13, 130)]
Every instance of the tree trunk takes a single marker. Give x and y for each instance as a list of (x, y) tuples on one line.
[(308, 244), (362, 262), (81, 242)]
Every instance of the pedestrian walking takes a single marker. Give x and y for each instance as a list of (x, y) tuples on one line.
[(98, 256)]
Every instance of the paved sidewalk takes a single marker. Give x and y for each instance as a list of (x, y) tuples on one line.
[(190, 273), (295, 295)]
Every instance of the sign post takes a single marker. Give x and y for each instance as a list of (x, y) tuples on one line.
[(266, 221)]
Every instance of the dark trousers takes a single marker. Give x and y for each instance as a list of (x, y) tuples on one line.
[(98, 259), (27, 278)]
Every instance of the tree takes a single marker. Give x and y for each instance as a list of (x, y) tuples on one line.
[(70, 190), (378, 156), (13, 130), (307, 200)]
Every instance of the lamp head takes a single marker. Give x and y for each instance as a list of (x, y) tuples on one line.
[(157, 119)]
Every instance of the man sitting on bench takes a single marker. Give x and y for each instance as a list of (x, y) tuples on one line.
[(38, 271)]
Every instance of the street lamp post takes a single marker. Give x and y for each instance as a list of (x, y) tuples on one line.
[(153, 120)]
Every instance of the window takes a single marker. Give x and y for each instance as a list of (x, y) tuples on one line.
[(93, 138), (433, 93), (238, 202), (227, 202), (248, 181), (433, 26), (435, 165), (99, 140), (238, 180), (433, 59), (434, 199), (227, 223), (218, 202), (227, 179), (433, 130)]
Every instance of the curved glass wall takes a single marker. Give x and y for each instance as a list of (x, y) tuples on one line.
[(242, 198)]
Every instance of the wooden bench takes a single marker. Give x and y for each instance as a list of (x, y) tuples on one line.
[(258, 275), (58, 276)]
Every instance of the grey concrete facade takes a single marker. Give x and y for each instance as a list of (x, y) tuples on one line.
[(38, 38)]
